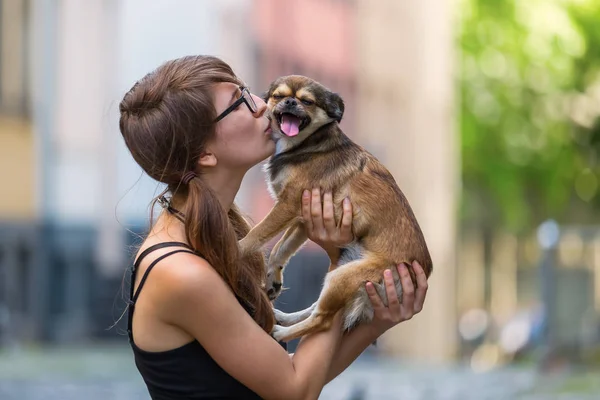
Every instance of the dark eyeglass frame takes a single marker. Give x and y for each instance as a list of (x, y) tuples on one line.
[(245, 97)]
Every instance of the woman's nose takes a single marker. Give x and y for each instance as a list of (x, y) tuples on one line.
[(261, 106)]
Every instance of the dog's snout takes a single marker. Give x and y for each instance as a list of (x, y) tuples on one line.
[(290, 102)]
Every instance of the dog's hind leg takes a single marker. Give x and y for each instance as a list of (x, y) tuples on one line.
[(287, 319), (341, 286), (283, 250)]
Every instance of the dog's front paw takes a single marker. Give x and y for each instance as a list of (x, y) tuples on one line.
[(278, 332)]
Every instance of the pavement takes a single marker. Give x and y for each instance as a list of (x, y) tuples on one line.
[(101, 372)]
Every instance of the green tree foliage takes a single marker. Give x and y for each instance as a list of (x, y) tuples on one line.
[(530, 101)]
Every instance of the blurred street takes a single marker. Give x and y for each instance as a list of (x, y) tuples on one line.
[(106, 372)]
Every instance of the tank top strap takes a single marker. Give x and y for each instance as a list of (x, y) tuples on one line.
[(133, 295)]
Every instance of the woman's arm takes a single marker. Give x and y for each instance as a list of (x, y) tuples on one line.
[(197, 300), (352, 345)]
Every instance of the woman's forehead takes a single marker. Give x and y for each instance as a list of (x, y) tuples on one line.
[(225, 92), (226, 88)]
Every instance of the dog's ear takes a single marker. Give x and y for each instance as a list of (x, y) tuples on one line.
[(265, 95), (334, 106)]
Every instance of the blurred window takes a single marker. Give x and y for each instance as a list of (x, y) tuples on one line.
[(14, 57)]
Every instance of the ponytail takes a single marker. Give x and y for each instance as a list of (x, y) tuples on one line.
[(215, 234)]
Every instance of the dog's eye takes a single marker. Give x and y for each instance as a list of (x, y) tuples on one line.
[(277, 96), (307, 102)]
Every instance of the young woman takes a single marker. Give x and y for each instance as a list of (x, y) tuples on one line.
[(199, 323)]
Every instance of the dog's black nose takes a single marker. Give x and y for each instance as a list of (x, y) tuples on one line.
[(290, 102), (276, 286)]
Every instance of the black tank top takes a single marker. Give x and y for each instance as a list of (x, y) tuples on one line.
[(187, 372)]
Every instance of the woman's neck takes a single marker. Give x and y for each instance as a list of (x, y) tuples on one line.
[(167, 228), (224, 185)]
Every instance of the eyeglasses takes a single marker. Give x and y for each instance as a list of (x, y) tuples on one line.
[(246, 97)]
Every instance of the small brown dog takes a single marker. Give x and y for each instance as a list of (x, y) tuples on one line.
[(312, 151)]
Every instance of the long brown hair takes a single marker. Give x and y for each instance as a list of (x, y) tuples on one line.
[(166, 120)]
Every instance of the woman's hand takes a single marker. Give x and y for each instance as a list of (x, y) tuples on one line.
[(412, 300), (320, 224)]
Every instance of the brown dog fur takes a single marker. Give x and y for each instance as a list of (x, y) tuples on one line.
[(385, 229)]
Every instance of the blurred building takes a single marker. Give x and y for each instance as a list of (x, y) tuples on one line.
[(405, 65), (70, 182)]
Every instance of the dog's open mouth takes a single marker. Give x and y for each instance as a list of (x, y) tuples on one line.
[(290, 124)]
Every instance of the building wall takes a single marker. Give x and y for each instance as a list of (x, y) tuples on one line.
[(405, 97)]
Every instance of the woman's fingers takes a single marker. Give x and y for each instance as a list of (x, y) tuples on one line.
[(316, 210), (408, 292), (306, 195), (318, 214), (421, 291), (328, 218), (374, 297), (346, 221), (392, 294)]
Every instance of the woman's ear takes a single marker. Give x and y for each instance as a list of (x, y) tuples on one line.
[(207, 159)]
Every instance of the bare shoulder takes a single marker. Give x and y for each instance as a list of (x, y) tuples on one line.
[(190, 290), (186, 275)]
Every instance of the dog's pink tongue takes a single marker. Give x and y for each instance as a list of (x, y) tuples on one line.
[(290, 125)]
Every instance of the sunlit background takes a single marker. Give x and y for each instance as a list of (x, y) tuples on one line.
[(487, 112)]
